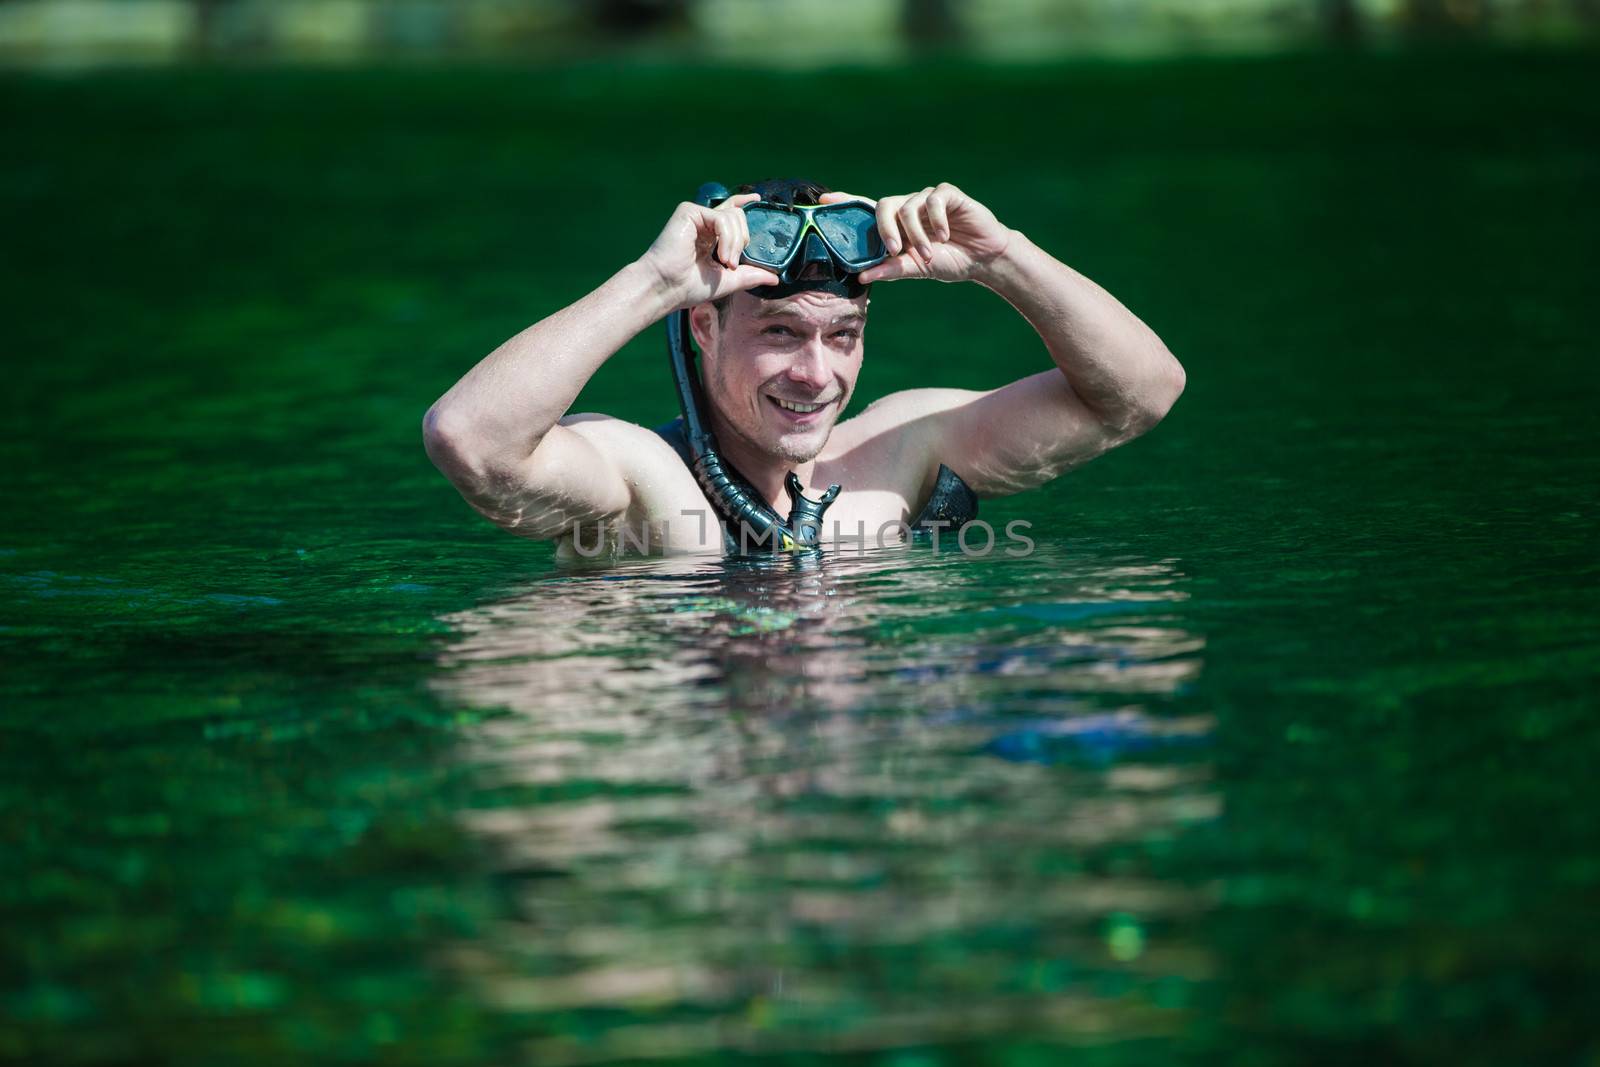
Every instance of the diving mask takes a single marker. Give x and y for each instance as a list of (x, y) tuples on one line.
[(813, 246)]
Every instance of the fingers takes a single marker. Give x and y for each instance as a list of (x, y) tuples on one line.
[(888, 228), (733, 234), (734, 240), (741, 227), (913, 224), (916, 220), (733, 229), (939, 203), (720, 235), (837, 197)]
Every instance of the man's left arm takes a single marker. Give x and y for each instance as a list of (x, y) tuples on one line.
[(1113, 377)]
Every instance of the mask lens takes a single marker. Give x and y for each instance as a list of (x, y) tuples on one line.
[(852, 230), (772, 235)]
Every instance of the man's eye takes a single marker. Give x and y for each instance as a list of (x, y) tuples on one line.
[(849, 334), (776, 329)]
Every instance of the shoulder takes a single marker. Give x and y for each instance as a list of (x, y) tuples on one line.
[(658, 479), (599, 427), (898, 419), (903, 424), (898, 439), (625, 442), (911, 404)]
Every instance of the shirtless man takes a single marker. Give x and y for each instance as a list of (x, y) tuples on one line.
[(778, 374)]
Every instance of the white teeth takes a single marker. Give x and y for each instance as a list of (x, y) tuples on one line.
[(804, 409)]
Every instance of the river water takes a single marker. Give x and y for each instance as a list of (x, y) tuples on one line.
[(1275, 750)]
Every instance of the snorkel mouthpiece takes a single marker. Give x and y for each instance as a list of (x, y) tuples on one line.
[(805, 516)]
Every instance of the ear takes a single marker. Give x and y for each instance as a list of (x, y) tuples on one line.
[(702, 321)]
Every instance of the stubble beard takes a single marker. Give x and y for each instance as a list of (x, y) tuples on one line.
[(784, 447), (792, 448)]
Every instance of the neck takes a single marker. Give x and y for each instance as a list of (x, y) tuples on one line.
[(763, 470)]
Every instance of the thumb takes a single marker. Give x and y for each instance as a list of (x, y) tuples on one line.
[(748, 276), (839, 197), (757, 275), (892, 269)]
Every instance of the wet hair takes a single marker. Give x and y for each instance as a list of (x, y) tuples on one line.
[(789, 191)]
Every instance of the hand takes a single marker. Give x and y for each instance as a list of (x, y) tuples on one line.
[(939, 233), (696, 257)]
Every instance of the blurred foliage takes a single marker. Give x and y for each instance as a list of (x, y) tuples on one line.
[(750, 32)]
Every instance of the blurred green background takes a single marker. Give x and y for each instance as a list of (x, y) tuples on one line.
[(760, 33), (288, 773)]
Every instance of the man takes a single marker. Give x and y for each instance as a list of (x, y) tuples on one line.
[(778, 374)]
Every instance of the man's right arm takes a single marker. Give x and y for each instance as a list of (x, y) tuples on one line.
[(498, 433)]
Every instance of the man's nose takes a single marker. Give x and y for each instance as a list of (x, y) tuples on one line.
[(811, 366)]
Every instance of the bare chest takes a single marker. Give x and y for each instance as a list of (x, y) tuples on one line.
[(671, 513)]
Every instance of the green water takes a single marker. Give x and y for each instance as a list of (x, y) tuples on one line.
[(1278, 750)]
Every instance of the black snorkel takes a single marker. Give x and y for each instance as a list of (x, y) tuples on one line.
[(736, 501)]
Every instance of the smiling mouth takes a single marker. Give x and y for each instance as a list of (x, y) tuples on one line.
[(796, 406)]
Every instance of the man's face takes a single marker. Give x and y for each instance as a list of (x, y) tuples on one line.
[(781, 371)]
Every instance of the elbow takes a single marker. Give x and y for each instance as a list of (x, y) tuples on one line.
[(1161, 391), (1173, 379), (457, 445), (447, 438)]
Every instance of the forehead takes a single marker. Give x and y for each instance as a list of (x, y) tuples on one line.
[(812, 307)]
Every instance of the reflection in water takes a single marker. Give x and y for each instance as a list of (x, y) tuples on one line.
[(835, 803)]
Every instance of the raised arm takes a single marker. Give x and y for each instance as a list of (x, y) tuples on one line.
[(499, 434), (1113, 377)]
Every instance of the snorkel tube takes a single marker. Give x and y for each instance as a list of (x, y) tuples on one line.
[(737, 502)]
